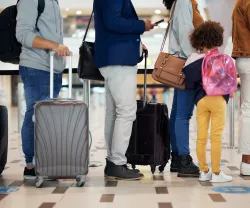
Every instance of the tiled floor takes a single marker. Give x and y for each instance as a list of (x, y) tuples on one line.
[(159, 191)]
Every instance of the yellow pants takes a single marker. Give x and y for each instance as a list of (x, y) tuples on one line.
[(210, 108)]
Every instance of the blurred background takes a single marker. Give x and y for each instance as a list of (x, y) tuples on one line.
[(76, 14)]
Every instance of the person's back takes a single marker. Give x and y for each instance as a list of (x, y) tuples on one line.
[(37, 42), (118, 31), (210, 109), (49, 27), (117, 52)]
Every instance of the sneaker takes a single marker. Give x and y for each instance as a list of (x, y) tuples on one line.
[(121, 172), (174, 167), (29, 174), (107, 166), (221, 178), (187, 168), (205, 176), (245, 169)]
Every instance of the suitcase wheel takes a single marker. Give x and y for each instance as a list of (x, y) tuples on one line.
[(153, 168), (80, 180), (39, 182)]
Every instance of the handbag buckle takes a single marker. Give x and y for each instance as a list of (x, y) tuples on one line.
[(164, 62)]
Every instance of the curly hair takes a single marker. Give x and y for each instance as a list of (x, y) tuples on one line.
[(168, 3), (208, 35)]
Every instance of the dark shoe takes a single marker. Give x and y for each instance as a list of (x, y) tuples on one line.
[(29, 174), (107, 166), (174, 167), (187, 168), (121, 172)]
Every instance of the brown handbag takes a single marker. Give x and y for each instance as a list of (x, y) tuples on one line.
[(168, 68)]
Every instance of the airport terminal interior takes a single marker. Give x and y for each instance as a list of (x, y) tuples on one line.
[(158, 190)]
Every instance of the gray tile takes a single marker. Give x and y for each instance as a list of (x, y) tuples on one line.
[(4, 182), (17, 183), (107, 198), (245, 177), (217, 198), (60, 190), (2, 196), (233, 168), (165, 205), (158, 178), (161, 190), (111, 184), (47, 205), (16, 161), (206, 183)]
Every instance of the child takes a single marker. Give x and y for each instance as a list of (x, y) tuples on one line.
[(207, 37)]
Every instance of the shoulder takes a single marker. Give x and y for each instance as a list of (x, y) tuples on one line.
[(194, 66), (184, 4)]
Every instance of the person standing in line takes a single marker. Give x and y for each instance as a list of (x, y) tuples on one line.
[(207, 39), (241, 51), (118, 50), (34, 64), (186, 17)]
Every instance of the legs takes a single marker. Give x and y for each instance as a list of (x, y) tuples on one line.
[(120, 84), (121, 96), (203, 120), (184, 112), (243, 66), (109, 119), (36, 88), (218, 119), (172, 124)]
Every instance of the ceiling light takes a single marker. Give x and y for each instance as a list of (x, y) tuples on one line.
[(79, 12), (67, 9), (157, 11)]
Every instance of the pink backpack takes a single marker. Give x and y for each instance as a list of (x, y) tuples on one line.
[(219, 76)]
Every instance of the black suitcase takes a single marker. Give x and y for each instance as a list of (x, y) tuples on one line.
[(3, 137), (150, 141)]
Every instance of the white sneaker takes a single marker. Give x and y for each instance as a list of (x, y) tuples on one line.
[(221, 178), (245, 169), (205, 176)]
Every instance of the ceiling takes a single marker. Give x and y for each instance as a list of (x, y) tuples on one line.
[(88, 3)]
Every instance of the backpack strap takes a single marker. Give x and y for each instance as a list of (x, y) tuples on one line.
[(40, 9)]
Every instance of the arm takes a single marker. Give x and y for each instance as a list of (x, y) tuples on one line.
[(185, 26), (26, 27), (248, 15), (113, 20)]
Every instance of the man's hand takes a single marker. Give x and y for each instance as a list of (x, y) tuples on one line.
[(61, 50), (144, 47), (148, 25)]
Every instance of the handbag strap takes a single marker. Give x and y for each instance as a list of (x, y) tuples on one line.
[(167, 30), (87, 29)]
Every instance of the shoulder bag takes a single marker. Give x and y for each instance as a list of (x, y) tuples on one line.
[(86, 66), (168, 67)]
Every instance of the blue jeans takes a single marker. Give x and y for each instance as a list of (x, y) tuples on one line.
[(182, 112), (36, 88)]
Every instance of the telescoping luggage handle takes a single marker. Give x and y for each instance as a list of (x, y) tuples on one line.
[(145, 78), (52, 54)]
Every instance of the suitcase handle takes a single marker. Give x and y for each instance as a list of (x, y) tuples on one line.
[(52, 55), (145, 52)]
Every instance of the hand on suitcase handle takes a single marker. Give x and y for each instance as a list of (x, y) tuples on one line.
[(53, 53), (61, 50)]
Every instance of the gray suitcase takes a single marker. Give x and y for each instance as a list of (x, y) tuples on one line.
[(61, 136)]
